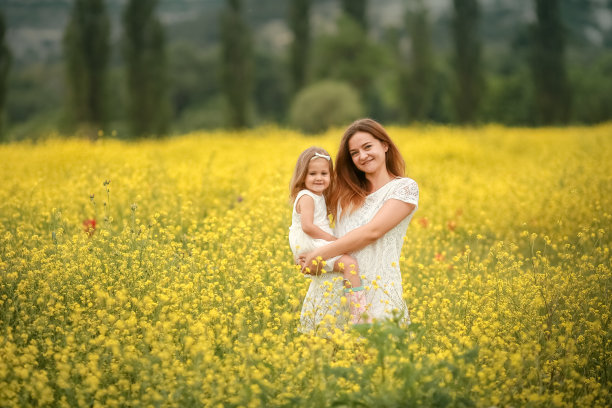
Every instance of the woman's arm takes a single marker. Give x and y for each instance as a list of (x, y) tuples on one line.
[(390, 214), (305, 207)]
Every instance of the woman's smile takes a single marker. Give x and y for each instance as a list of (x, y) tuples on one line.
[(367, 152), (366, 162)]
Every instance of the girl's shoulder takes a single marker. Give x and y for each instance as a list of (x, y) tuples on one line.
[(309, 193)]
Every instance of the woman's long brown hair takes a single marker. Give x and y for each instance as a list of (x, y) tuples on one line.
[(351, 185)]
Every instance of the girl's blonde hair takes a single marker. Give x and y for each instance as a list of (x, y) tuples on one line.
[(301, 170)]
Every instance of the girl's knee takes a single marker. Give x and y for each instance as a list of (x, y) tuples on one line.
[(348, 266), (348, 262)]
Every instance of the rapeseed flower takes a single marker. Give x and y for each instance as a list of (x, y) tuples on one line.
[(186, 294)]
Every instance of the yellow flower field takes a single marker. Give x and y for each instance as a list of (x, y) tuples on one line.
[(184, 293)]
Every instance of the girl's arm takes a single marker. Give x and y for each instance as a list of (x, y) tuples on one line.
[(305, 207), (391, 214)]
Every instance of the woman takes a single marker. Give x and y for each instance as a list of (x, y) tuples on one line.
[(374, 204)]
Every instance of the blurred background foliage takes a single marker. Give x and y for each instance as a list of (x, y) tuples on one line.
[(182, 65)]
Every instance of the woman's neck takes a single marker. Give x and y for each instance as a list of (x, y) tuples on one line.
[(378, 179)]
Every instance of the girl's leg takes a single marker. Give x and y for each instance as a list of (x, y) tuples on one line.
[(350, 271), (352, 288)]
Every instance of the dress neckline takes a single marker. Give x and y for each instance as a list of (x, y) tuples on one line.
[(383, 186)]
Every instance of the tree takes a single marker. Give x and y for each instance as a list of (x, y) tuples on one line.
[(349, 56), (593, 88), (357, 10), (324, 104), (236, 63), (508, 100), (416, 77), (469, 83), (271, 85), (86, 46), (299, 21), (192, 75), (552, 91), (608, 34), (580, 18), (145, 58), (5, 65)]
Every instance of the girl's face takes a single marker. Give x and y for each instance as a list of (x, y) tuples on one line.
[(318, 176), (367, 152)]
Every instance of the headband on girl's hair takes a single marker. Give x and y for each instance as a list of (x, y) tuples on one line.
[(323, 156)]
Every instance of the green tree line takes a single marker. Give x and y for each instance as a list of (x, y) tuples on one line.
[(323, 78)]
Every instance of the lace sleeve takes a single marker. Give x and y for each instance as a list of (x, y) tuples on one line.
[(406, 190)]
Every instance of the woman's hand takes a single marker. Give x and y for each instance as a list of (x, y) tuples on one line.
[(390, 214)]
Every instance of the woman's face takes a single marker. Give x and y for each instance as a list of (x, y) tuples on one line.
[(367, 152)]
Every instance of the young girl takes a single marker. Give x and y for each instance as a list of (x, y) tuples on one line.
[(310, 185)]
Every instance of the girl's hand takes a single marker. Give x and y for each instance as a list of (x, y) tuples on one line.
[(312, 263), (300, 259)]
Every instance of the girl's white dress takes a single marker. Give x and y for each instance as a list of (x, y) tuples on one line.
[(379, 262), (299, 241), (316, 304)]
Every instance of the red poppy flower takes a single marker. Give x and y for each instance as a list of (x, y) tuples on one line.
[(89, 226)]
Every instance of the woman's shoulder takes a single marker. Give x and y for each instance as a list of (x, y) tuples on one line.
[(399, 183), (406, 181), (404, 189)]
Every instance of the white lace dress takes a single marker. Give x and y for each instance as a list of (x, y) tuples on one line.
[(299, 241), (379, 262)]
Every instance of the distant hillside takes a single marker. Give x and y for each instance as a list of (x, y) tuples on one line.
[(35, 27)]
